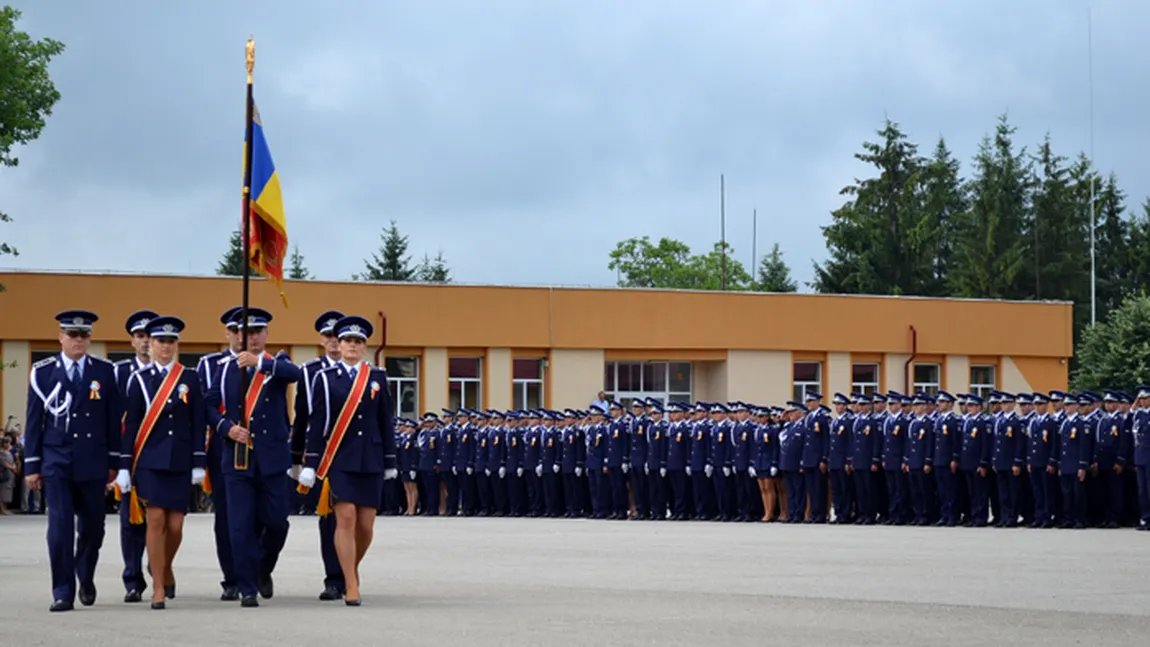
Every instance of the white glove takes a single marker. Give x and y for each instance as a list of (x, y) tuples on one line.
[(688, 470), (646, 470), (539, 471), (774, 472), (487, 472), (198, 475), (519, 472), (709, 470), (555, 468), (293, 472), (307, 477), (663, 471), (390, 474), (502, 472), (124, 481), (726, 471), (751, 471), (626, 468), (411, 475), (470, 471)]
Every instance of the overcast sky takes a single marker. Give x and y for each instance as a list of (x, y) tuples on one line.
[(524, 138)]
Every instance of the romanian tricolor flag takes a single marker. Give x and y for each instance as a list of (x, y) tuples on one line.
[(268, 227)]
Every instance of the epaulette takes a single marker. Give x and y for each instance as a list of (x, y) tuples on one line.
[(312, 361), (283, 353), (101, 359), (326, 369), (44, 362), (125, 362)]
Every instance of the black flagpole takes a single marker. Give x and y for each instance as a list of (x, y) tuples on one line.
[(241, 453)]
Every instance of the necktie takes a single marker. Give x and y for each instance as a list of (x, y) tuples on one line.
[(74, 373), (352, 373), (251, 372)]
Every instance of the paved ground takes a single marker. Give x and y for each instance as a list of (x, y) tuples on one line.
[(543, 582)]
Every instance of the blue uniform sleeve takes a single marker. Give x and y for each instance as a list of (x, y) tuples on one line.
[(300, 421), (33, 428), (776, 451), (1020, 444), (386, 416), (876, 434), (930, 440), (1055, 441), (280, 368), (214, 401), (199, 423), (1123, 443), (114, 419), (1086, 440), (133, 418), (317, 424)]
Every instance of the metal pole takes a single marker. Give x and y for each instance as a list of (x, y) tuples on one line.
[(1093, 225), (755, 244), (723, 227)]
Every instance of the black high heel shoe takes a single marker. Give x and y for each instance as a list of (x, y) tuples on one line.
[(170, 591), (158, 605), (351, 603)]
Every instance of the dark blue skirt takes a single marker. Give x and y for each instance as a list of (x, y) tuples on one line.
[(164, 489), (365, 490)]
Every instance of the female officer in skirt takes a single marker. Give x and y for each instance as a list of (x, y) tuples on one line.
[(162, 455), (351, 446)]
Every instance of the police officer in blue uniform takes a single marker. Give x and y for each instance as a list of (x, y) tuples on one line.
[(257, 491), (974, 460), (1140, 437), (428, 440), (838, 449), (133, 537), (638, 457), (1007, 460), (514, 452), (947, 445), (164, 449), (865, 459), (573, 458), (365, 455), (656, 467), (919, 460), (815, 446), (208, 369), (792, 439), (1042, 462), (1075, 450), (764, 459), (72, 451)]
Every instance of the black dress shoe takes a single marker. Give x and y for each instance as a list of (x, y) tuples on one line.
[(88, 595), (61, 605), (158, 605), (132, 596), (267, 587), (250, 601), (170, 591), (230, 594), (330, 593), (352, 603)]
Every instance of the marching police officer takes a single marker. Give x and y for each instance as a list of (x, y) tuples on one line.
[(72, 428), (133, 537), (163, 454), (351, 446), (253, 429)]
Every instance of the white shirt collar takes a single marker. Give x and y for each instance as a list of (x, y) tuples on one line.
[(163, 367), (68, 362), (348, 367)]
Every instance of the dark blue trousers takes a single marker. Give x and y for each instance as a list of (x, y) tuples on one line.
[(864, 493), (498, 491), (977, 488), (796, 495), (534, 486), (1008, 497), (133, 543), (722, 492), (947, 482), (452, 482), (815, 483), (678, 480), (639, 492), (483, 490), (840, 494), (552, 492), (220, 524), (702, 487), (618, 481), (256, 502), (332, 573), (919, 495), (657, 493), (1044, 491), (75, 533), (896, 495), (1073, 499), (597, 490), (515, 501), (430, 492)]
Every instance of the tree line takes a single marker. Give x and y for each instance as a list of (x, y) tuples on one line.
[(390, 263)]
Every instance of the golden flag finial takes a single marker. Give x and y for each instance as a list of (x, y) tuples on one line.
[(251, 57)]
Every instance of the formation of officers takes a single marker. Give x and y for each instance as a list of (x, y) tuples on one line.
[(1043, 460), (155, 429)]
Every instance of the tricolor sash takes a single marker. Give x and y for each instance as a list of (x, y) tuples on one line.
[(338, 431), (155, 408), (255, 388)]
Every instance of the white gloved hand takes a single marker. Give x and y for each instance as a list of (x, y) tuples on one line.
[(124, 481), (519, 471), (626, 468), (578, 471), (646, 470), (709, 470), (726, 471), (752, 472), (487, 472), (307, 477), (293, 472), (555, 468), (198, 474), (663, 471), (774, 472), (390, 474), (502, 472), (688, 470), (411, 475), (539, 471), (470, 471)]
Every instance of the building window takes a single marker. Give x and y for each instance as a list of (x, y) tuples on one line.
[(808, 377), (464, 382), (864, 378), (663, 381), (982, 380), (926, 378), (403, 385), (527, 384)]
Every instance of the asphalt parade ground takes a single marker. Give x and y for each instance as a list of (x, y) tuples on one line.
[(486, 582)]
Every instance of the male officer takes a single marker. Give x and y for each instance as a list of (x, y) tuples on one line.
[(974, 460), (893, 452), (74, 420), (333, 581), (208, 369), (656, 467), (1110, 451), (1042, 463), (133, 537), (1140, 430), (256, 477), (838, 450), (638, 456), (864, 459), (815, 447), (1075, 449), (947, 445), (1008, 458), (918, 462)]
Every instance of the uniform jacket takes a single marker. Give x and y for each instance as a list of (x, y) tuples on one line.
[(178, 437), (368, 445), (269, 424)]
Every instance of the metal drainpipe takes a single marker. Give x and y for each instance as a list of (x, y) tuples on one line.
[(382, 336), (910, 360)]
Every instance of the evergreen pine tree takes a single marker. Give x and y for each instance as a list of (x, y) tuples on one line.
[(774, 275), (232, 264), (433, 270), (296, 269), (392, 262)]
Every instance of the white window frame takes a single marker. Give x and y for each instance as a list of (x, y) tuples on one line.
[(799, 389), (982, 389), (398, 382), (463, 382), (928, 387), (665, 395), (866, 388), (519, 387)]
